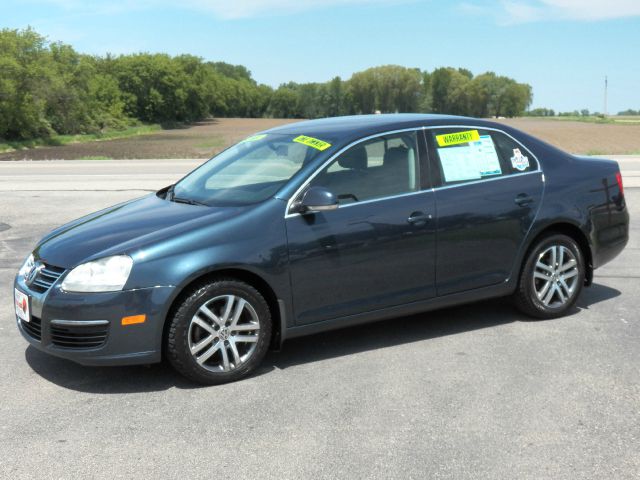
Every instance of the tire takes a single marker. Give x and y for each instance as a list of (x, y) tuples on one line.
[(226, 324), (547, 289)]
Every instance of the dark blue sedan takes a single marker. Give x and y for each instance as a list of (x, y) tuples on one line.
[(319, 225)]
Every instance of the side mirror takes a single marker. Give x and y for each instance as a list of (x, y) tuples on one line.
[(317, 199)]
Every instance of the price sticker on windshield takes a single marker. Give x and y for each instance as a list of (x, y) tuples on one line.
[(457, 138), (312, 142)]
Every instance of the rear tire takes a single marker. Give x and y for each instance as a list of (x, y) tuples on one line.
[(551, 279), (220, 333)]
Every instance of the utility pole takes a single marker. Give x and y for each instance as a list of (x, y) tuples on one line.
[(606, 84)]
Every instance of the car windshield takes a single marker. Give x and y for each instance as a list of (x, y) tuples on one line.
[(249, 172)]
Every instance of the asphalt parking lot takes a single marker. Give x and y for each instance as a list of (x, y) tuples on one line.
[(477, 391)]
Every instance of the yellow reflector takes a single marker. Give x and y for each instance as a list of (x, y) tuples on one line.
[(133, 319)]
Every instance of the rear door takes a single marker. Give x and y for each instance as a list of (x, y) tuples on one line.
[(488, 189)]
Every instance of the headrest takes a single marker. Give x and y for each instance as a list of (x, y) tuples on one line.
[(394, 156), (355, 158)]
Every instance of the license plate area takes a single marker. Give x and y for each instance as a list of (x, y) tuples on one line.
[(22, 305)]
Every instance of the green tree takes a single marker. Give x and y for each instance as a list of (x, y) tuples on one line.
[(389, 88), (284, 102), (48, 88), (26, 70)]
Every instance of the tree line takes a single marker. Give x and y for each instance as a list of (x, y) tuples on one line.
[(585, 112), (48, 88)]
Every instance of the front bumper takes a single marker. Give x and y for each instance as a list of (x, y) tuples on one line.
[(87, 327)]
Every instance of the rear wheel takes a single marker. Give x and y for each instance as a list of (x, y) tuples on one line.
[(220, 333), (552, 277)]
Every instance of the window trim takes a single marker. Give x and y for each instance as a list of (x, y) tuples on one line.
[(421, 162), (424, 160), (433, 162)]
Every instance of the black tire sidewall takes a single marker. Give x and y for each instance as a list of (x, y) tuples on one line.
[(177, 340), (526, 291)]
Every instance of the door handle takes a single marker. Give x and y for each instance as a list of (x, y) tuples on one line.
[(418, 217), (523, 200)]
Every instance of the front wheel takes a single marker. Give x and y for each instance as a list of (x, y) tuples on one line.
[(219, 333), (552, 278)]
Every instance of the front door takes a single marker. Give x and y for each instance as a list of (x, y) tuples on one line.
[(378, 248)]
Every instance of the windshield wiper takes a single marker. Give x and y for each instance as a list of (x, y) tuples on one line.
[(188, 201)]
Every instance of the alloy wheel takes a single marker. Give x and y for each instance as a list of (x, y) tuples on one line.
[(223, 333), (555, 276)]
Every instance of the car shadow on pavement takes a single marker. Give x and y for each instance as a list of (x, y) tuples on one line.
[(415, 328), (337, 343)]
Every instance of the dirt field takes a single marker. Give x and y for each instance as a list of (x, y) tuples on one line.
[(201, 140), (204, 139), (581, 137)]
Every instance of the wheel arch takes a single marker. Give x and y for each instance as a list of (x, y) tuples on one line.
[(246, 276), (570, 230)]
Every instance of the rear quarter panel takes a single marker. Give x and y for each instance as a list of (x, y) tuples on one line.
[(583, 192)]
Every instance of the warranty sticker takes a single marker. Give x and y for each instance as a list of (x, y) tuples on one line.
[(457, 138), (312, 142)]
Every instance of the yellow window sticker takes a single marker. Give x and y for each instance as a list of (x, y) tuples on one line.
[(457, 138), (312, 142), (255, 138)]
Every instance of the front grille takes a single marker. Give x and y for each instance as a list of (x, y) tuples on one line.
[(32, 328), (47, 276), (69, 336)]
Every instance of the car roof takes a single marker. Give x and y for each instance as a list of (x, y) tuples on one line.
[(340, 129)]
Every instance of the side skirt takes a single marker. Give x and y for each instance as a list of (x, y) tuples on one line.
[(493, 291)]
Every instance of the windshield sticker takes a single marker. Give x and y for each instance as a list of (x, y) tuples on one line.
[(312, 142), (457, 138), (255, 138), (519, 161)]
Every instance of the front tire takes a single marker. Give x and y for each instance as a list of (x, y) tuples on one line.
[(220, 333), (551, 279)]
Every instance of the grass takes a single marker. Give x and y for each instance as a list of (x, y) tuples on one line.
[(95, 157), (57, 140), (214, 142), (614, 119), (603, 153)]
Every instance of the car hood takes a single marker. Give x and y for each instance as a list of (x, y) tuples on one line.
[(124, 228)]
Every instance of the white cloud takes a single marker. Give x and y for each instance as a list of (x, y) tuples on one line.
[(520, 11), (225, 9), (506, 11), (250, 8)]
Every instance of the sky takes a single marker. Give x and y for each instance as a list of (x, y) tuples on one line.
[(562, 48)]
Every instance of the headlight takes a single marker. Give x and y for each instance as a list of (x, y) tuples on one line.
[(105, 275), (26, 266)]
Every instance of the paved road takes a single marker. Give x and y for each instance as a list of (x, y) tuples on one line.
[(470, 392), (94, 175)]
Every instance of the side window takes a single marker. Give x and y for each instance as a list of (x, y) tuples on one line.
[(381, 167), (468, 155), (514, 156)]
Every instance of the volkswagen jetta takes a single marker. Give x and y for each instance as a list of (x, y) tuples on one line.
[(318, 225)]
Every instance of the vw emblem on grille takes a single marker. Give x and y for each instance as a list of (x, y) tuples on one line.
[(33, 273)]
